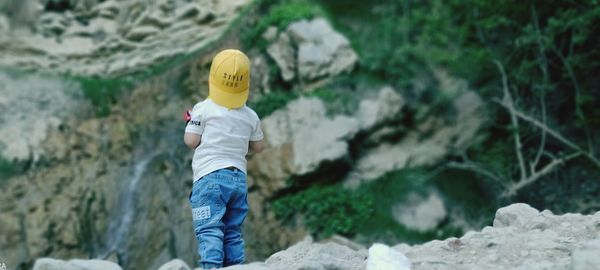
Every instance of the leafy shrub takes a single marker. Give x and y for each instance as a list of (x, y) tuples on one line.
[(326, 210), (102, 93), (271, 102), (280, 14), (6, 168)]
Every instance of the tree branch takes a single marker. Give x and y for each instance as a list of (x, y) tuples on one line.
[(578, 110), (514, 188), (474, 167), (543, 63), (554, 134), (507, 99)]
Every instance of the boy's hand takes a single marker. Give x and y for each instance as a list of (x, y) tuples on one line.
[(187, 116)]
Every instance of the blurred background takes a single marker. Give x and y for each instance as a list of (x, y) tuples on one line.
[(397, 121)]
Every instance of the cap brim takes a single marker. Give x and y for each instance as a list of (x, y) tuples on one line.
[(225, 99)]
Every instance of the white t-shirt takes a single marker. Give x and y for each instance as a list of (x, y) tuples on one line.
[(225, 136)]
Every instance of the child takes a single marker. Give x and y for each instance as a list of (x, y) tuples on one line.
[(222, 130)]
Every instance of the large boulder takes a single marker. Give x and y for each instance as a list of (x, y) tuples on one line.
[(432, 140), (311, 50), (176, 264), (53, 264), (307, 255), (300, 138), (420, 212)]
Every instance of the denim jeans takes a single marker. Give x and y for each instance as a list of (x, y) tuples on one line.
[(219, 203)]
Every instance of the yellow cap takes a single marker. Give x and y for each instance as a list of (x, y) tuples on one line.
[(229, 79)]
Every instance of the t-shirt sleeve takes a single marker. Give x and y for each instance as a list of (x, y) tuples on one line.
[(196, 124), (257, 134)]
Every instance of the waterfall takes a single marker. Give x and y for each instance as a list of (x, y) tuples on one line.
[(119, 225)]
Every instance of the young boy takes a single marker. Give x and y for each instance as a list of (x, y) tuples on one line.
[(222, 131)]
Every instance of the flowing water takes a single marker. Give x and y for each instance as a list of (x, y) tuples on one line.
[(119, 226)]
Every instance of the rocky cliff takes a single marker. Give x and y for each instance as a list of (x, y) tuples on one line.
[(115, 186), (521, 237), (108, 38)]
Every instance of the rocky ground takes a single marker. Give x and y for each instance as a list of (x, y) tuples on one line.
[(521, 237)]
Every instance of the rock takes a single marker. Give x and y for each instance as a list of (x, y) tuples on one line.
[(4, 24), (112, 31), (107, 9), (49, 264), (287, 133), (52, 264), (382, 257), (569, 241), (311, 51), (270, 34), (260, 76), (175, 264), (429, 143), (251, 266), (420, 213), (385, 107), (518, 215), (322, 52), (284, 56), (514, 242), (53, 23), (91, 265), (586, 256), (25, 99), (142, 32), (307, 255)]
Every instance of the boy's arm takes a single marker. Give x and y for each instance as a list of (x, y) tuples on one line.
[(192, 140), (255, 147)]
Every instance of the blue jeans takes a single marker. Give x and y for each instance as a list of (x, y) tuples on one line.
[(219, 206)]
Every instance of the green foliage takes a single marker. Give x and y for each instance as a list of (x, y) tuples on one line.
[(337, 101), (271, 102), (326, 210), (6, 168), (280, 13), (103, 93), (365, 212)]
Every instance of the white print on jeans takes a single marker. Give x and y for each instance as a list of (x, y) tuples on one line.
[(201, 213)]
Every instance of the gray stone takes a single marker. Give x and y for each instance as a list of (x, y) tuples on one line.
[(113, 32), (385, 107), (142, 32), (24, 99), (515, 243), (587, 256), (270, 34), (420, 213), (53, 264), (311, 51), (307, 255), (518, 214), (49, 264), (300, 138), (250, 266), (4, 24), (282, 52), (91, 265), (53, 23), (426, 145), (176, 264)]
